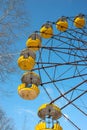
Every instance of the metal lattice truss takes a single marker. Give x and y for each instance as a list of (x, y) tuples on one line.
[(62, 64)]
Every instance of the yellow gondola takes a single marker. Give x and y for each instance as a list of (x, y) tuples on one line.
[(56, 126), (26, 61), (46, 31), (28, 92), (31, 78), (34, 42), (51, 110), (42, 126), (62, 24), (79, 21)]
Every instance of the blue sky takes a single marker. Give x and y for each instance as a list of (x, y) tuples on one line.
[(24, 113)]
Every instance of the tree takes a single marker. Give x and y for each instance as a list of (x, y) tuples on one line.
[(13, 23), (5, 122)]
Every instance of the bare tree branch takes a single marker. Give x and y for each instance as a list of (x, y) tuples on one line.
[(13, 23), (5, 122)]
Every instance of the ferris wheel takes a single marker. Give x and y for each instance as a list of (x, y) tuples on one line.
[(56, 57)]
